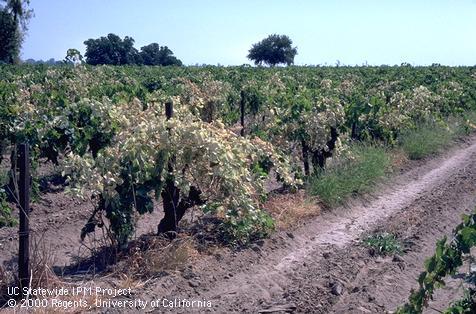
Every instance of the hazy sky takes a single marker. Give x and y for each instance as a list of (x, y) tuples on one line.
[(222, 31)]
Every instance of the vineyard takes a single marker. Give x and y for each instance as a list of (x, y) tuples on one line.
[(220, 142)]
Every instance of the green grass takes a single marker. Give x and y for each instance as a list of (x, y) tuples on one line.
[(383, 243), (431, 138), (463, 125), (351, 176), (425, 140)]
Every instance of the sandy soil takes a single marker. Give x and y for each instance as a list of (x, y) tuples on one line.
[(321, 267)]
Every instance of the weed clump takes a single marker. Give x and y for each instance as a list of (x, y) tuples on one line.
[(353, 175), (425, 140), (383, 244)]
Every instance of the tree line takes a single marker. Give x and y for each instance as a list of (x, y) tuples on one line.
[(113, 50)]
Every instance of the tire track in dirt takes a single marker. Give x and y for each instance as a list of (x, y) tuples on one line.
[(379, 284), (313, 253)]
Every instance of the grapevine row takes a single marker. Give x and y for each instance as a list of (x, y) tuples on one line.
[(108, 130)]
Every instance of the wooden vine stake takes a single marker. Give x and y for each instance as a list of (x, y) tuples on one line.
[(24, 230)]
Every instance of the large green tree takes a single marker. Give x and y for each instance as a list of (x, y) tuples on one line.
[(111, 50), (9, 38), (14, 17), (116, 51), (153, 54), (19, 10), (274, 49)]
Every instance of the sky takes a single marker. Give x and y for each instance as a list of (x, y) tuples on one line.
[(351, 32)]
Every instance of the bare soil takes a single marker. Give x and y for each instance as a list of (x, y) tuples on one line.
[(319, 267)]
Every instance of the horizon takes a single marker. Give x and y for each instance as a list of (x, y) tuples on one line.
[(221, 32)]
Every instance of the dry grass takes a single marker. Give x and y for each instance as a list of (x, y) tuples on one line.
[(154, 256), (146, 258), (41, 260), (6, 280), (126, 281), (42, 276), (290, 210)]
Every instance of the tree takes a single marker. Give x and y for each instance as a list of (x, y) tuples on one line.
[(115, 51), (153, 54), (111, 50), (9, 38), (21, 14), (73, 56), (14, 18), (274, 49)]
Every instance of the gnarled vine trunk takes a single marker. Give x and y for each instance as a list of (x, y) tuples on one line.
[(305, 157), (176, 206), (319, 156)]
